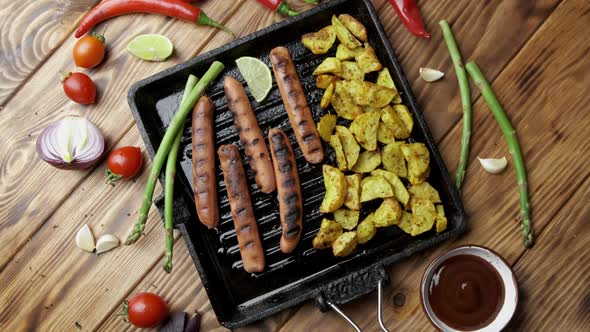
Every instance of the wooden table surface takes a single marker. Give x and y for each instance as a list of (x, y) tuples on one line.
[(534, 52)]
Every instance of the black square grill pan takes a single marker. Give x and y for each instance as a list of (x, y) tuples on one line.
[(237, 297)]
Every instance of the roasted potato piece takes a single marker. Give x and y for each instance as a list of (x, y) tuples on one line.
[(343, 35), (388, 214), (393, 159), (368, 61), (384, 135), (364, 128), (335, 183), (384, 79), (353, 192), (425, 191), (344, 53), (366, 229), (352, 72), (423, 216), (337, 146), (373, 187), (354, 26), (405, 223), (321, 41), (441, 219), (345, 244), (418, 158), (329, 66), (348, 219), (404, 114), (326, 126), (349, 145), (367, 162), (323, 81), (355, 91), (393, 122), (343, 103), (376, 95), (328, 233), (399, 190), (327, 97)]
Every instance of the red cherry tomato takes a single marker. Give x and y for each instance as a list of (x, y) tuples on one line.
[(79, 88), (146, 310), (89, 51), (123, 163)]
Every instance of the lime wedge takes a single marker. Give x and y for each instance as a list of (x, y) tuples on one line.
[(151, 47), (257, 75)]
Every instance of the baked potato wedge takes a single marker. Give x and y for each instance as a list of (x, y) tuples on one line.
[(368, 61), (394, 123), (344, 53), (384, 135), (418, 158), (354, 26), (423, 216), (345, 244), (326, 126), (366, 229), (373, 187), (376, 95), (335, 183), (352, 72), (344, 35), (323, 81), (405, 116), (424, 191), (384, 79), (327, 97), (349, 145), (367, 162), (328, 233), (348, 219), (364, 128), (321, 41), (330, 65), (353, 192), (343, 103), (388, 214), (399, 190), (336, 144), (405, 223), (441, 219), (355, 91), (393, 159)]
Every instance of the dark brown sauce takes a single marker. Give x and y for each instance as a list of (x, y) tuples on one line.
[(466, 292)]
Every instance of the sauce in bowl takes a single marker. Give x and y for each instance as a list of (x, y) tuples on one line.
[(466, 292)]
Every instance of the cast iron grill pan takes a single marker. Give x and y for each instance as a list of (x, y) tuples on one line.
[(238, 297)]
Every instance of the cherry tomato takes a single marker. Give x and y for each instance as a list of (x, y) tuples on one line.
[(146, 310), (79, 88), (89, 51), (123, 163)]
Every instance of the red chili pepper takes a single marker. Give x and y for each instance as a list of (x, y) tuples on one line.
[(279, 6), (409, 12), (174, 8)]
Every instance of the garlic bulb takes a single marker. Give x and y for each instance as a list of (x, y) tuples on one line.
[(492, 165), (431, 75), (85, 239)]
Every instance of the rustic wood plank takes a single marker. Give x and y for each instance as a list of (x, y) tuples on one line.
[(553, 278), (24, 207), (552, 61), (30, 31)]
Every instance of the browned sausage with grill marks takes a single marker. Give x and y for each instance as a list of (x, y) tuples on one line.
[(203, 145), (241, 208), (250, 135), (288, 188), (296, 105)]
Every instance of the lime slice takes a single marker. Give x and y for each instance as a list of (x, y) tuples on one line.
[(257, 75), (151, 47)]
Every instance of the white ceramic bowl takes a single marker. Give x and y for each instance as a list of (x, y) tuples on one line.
[(506, 274)]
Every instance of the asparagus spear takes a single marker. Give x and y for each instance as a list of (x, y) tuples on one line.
[(465, 100), (173, 129), (169, 182), (513, 145)]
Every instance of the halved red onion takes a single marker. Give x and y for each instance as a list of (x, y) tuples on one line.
[(71, 143)]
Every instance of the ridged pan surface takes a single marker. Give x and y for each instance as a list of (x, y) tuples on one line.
[(238, 297)]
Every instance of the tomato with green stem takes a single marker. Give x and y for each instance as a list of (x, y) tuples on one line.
[(145, 310), (89, 51), (123, 163), (79, 87)]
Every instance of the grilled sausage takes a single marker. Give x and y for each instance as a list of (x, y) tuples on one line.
[(250, 135), (296, 105), (203, 145), (289, 189), (241, 208)]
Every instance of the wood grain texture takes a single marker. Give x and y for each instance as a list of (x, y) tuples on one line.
[(30, 30), (551, 144), (23, 207)]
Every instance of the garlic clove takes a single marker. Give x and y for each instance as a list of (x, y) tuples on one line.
[(85, 239), (492, 165), (106, 243), (431, 75)]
